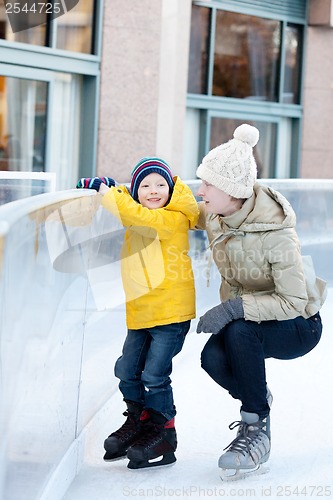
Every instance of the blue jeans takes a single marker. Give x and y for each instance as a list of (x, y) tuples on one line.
[(145, 366), (235, 357)]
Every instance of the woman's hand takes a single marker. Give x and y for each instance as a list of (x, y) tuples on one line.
[(219, 316)]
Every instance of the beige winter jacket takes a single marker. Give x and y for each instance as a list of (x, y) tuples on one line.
[(257, 253)]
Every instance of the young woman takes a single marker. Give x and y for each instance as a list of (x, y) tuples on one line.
[(268, 306)]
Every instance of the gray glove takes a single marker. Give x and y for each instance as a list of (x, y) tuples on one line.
[(216, 318)]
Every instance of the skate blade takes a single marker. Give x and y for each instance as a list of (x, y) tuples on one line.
[(239, 474), (169, 459)]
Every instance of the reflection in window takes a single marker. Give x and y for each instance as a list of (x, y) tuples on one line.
[(246, 56), (34, 36), (222, 130), (292, 65), (22, 124), (199, 52), (23, 113), (65, 140), (239, 56), (75, 28)]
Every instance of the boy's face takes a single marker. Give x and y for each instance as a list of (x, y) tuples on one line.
[(153, 191)]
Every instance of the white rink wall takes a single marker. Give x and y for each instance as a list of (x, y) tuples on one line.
[(62, 324)]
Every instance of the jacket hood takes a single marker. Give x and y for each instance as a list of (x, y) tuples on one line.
[(265, 210), (182, 200)]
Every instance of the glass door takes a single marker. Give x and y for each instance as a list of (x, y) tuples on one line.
[(40, 115)]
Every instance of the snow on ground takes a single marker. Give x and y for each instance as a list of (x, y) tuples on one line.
[(301, 462)]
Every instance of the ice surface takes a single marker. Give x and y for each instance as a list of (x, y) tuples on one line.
[(301, 462)]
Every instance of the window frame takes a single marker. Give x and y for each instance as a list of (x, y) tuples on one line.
[(246, 109), (36, 62), (51, 33)]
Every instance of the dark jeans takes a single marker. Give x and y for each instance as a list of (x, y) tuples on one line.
[(235, 358), (146, 364)]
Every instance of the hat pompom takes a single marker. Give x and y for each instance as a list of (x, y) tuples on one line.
[(247, 133)]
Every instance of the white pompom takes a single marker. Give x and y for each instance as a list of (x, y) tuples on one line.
[(247, 133)]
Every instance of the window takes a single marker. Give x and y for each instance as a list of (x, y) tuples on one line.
[(246, 56), (199, 47), (72, 31), (75, 29), (292, 69), (64, 139), (49, 85), (22, 124), (34, 36), (40, 126), (245, 68), (264, 153)]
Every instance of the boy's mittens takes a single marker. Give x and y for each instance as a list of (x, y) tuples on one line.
[(94, 182)]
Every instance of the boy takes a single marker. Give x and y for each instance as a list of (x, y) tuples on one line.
[(158, 281)]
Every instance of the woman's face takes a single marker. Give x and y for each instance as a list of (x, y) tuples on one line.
[(217, 201)]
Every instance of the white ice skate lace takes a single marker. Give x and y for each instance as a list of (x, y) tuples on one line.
[(248, 436)]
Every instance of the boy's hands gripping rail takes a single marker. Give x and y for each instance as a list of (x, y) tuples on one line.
[(94, 182)]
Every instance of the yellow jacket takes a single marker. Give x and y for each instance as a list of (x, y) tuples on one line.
[(156, 269)]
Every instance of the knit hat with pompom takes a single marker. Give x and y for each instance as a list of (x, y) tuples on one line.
[(231, 167)]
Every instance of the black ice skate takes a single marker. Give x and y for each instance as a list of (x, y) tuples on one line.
[(117, 444), (157, 445)]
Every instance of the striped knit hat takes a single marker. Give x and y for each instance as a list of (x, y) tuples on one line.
[(147, 166)]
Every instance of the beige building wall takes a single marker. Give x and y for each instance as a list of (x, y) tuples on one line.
[(143, 84), (317, 143)]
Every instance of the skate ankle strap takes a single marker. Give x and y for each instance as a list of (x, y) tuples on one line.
[(170, 424), (145, 415)]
